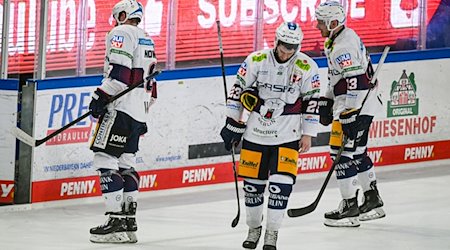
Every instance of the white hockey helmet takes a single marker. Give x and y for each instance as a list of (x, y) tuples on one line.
[(132, 9), (329, 11), (290, 35)]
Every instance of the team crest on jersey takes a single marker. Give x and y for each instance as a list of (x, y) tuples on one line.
[(296, 77), (315, 81), (117, 41), (344, 60), (243, 69)]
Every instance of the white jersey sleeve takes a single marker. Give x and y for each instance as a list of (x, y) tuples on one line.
[(245, 78), (310, 95)]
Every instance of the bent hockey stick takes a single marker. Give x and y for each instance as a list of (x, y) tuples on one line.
[(236, 219), (26, 138), (296, 212)]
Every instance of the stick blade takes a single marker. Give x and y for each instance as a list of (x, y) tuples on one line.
[(22, 136), (235, 220), (297, 212)]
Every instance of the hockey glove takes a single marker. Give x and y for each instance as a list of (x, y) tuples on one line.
[(98, 103), (350, 124), (232, 132), (326, 110)]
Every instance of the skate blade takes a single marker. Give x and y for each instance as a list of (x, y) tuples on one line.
[(345, 222), (132, 236), (120, 237), (376, 213)]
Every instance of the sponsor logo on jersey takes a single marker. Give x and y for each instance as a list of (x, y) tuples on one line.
[(403, 100), (249, 164), (288, 160), (278, 87), (422, 152), (77, 188), (344, 60), (143, 41), (243, 69), (311, 118), (259, 57), (260, 132), (117, 41), (118, 138), (303, 64), (104, 129), (198, 175), (315, 81)]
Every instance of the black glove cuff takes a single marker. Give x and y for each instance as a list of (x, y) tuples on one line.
[(349, 116), (235, 126)]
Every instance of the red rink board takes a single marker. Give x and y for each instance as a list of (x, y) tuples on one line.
[(71, 188), (6, 192)]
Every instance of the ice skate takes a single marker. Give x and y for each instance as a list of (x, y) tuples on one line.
[(131, 225), (270, 240), (345, 216), (252, 238), (113, 231), (371, 208)]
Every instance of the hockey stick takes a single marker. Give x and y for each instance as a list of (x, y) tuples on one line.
[(296, 212), (222, 64), (26, 138), (236, 219)]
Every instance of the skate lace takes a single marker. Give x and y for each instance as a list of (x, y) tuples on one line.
[(253, 234), (270, 238), (341, 206), (110, 218)]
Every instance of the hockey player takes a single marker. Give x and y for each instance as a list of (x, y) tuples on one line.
[(130, 58), (273, 105), (341, 104)]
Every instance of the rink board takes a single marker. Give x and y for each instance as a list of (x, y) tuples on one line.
[(8, 119), (413, 126)]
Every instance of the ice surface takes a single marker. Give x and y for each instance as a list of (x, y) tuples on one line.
[(416, 200)]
